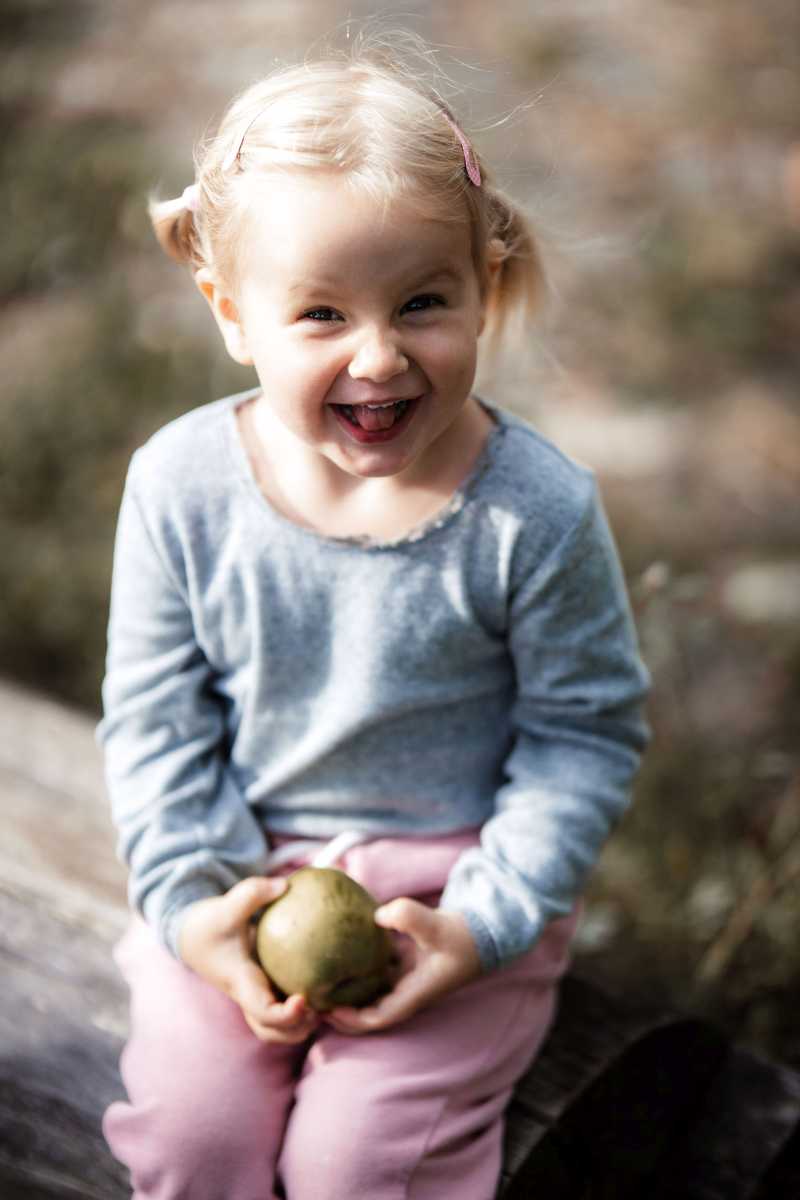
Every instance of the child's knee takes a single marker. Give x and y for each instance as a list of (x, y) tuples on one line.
[(330, 1169), (357, 1147), (204, 1144)]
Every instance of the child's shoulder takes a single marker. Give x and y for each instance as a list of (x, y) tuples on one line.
[(189, 456), (192, 437), (537, 480), (543, 503)]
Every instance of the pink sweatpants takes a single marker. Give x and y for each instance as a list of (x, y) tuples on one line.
[(414, 1112)]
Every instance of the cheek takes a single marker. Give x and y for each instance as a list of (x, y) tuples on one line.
[(454, 355), (446, 344), (297, 382), (299, 368)]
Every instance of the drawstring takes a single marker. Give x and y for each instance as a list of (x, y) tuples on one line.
[(327, 853), (338, 846)]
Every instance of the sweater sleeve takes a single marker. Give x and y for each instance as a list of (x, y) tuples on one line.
[(185, 830), (578, 733)]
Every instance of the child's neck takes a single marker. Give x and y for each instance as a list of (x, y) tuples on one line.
[(314, 493)]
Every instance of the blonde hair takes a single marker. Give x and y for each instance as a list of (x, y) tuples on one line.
[(371, 113)]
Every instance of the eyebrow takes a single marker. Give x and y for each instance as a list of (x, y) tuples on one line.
[(329, 283), (449, 274)]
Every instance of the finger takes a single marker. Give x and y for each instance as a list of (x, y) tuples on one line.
[(249, 895), (296, 1008), (282, 1037), (292, 1021), (291, 1013), (410, 994), (372, 1020), (273, 1020), (251, 991)]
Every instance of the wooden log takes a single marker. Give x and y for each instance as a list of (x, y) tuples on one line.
[(619, 1104), (57, 838), (782, 1178), (674, 1111), (63, 1007), (62, 1022)]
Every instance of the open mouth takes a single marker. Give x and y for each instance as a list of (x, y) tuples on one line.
[(375, 422)]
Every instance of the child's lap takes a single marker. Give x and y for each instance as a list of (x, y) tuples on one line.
[(484, 1026), (487, 1030)]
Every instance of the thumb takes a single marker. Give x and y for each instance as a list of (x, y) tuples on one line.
[(409, 917), (249, 895)]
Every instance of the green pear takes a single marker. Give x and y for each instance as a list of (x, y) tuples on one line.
[(319, 939)]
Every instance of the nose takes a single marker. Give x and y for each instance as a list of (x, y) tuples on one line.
[(378, 357)]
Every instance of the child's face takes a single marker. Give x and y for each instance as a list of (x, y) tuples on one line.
[(362, 323)]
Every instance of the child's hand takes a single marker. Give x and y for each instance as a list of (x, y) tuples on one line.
[(439, 956), (216, 941)]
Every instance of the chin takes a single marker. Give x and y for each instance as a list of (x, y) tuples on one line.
[(370, 463)]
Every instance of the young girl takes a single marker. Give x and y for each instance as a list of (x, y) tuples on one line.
[(354, 608)]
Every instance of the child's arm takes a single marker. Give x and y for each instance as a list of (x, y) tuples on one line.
[(186, 832), (579, 732), (185, 829)]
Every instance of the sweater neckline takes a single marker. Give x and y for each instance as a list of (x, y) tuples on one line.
[(451, 509)]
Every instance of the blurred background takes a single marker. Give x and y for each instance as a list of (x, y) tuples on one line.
[(657, 146)]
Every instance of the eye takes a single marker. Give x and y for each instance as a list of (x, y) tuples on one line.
[(321, 314), (422, 303)]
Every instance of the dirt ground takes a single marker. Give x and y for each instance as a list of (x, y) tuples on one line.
[(657, 147)]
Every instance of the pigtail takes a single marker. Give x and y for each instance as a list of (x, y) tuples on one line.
[(518, 283), (174, 224)]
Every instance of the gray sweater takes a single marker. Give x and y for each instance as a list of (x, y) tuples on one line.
[(262, 678)]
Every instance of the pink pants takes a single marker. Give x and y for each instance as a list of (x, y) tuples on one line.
[(414, 1112)]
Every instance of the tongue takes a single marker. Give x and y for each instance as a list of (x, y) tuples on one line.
[(374, 418)]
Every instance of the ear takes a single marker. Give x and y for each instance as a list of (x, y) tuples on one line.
[(226, 314)]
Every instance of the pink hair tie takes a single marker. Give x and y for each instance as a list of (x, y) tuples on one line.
[(470, 162), (191, 197)]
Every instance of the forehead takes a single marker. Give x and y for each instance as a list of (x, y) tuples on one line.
[(318, 222)]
